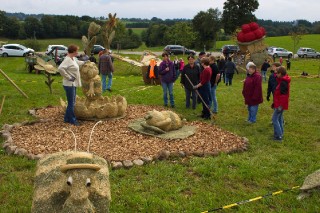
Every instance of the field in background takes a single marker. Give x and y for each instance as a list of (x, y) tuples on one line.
[(191, 184), (138, 30)]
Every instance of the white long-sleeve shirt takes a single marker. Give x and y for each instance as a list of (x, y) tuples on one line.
[(70, 68)]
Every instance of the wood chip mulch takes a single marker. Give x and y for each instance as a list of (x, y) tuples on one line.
[(114, 141)]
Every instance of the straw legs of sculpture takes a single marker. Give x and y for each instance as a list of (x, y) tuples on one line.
[(106, 86), (69, 116), (167, 87), (213, 101), (277, 121), (252, 113), (191, 94)]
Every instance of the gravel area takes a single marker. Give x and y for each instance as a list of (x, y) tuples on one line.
[(114, 141)]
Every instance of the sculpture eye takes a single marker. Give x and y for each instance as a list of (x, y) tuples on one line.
[(88, 182), (69, 181)]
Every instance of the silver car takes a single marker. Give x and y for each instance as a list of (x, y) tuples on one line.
[(307, 52), (15, 50), (279, 52), (61, 49)]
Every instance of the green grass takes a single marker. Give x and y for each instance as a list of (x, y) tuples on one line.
[(191, 184), (138, 30)]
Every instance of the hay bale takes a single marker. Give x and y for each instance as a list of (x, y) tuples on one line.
[(71, 189)]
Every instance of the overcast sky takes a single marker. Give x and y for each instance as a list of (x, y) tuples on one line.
[(276, 10)]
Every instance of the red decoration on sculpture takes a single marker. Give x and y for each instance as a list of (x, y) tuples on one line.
[(251, 32)]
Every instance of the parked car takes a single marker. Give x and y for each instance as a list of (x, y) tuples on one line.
[(229, 49), (15, 50), (178, 49), (307, 52), (278, 51), (61, 49), (97, 48)]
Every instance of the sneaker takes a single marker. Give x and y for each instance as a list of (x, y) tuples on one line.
[(172, 106), (109, 90), (279, 139), (165, 105), (76, 123), (250, 122)]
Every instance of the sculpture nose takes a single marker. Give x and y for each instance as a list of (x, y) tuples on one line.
[(78, 194)]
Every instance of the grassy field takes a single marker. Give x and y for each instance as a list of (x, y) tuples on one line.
[(138, 30), (191, 184)]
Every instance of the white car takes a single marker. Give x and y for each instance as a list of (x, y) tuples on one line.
[(279, 52), (15, 50), (61, 49)]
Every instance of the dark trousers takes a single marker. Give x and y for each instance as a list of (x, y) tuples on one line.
[(190, 93), (229, 77), (204, 91), (71, 92)]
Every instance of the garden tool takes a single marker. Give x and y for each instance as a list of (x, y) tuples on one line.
[(211, 114)]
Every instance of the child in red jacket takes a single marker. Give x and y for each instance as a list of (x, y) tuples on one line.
[(280, 102)]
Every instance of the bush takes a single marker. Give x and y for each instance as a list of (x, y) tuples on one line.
[(33, 43)]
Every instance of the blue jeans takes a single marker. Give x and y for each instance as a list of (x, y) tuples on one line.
[(223, 75), (277, 120), (214, 99), (104, 81), (253, 110), (229, 77), (71, 92), (188, 97), (177, 74), (264, 74), (165, 88)]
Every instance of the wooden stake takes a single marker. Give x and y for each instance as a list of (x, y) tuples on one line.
[(4, 97), (7, 77)]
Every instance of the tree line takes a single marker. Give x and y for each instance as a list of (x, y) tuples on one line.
[(202, 31), (56, 26)]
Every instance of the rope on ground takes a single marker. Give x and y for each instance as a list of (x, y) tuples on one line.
[(251, 200)]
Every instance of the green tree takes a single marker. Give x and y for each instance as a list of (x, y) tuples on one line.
[(32, 27), (207, 25), (180, 33), (3, 20), (296, 35), (49, 27), (125, 38), (155, 35), (236, 13), (11, 28)]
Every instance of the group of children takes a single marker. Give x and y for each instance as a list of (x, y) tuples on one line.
[(278, 86)]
